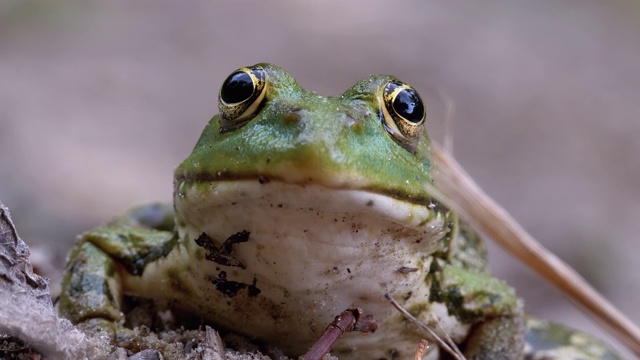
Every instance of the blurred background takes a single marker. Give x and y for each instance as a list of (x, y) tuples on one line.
[(99, 101)]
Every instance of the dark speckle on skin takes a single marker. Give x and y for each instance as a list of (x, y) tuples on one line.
[(232, 288), (227, 287), (370, 203), (253, 290), (223, 254), (237, 238), (407, 270)]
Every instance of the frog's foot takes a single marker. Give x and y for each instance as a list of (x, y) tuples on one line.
[(91, 286), (92, 289), (497, 338), (91, 295), (551, 341)]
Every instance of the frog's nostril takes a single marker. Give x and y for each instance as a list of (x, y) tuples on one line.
[(292, 117), (352, 122)]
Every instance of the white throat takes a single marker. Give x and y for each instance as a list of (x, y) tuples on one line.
[(312, 252)]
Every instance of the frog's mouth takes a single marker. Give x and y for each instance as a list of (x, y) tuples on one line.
[(200, 181), (197, 200)]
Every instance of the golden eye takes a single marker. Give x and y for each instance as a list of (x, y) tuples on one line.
[(402, 113), (241, 97)]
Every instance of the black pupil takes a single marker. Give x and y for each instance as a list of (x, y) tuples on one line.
[(409, 105), (238, 87)]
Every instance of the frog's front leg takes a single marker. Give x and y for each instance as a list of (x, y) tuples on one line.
[(92, 287), (497, 314)]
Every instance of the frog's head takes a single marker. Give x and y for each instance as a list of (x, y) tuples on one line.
[(371, 137), (326, 195), (362, 154)]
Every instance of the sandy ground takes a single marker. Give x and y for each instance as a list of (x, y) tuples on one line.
[(99, 101)]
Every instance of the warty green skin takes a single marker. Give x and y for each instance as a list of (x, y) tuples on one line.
[(295, 160)]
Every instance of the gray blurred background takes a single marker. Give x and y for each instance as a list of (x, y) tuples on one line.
[(99, 101)]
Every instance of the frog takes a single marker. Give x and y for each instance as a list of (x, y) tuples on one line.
[(294, 206)]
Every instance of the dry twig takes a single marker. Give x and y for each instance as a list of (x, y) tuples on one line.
[(349, 320)]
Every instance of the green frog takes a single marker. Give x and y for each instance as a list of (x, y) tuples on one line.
[(295, 206)]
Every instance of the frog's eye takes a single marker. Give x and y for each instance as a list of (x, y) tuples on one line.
[(241, 97), (402, 113)]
